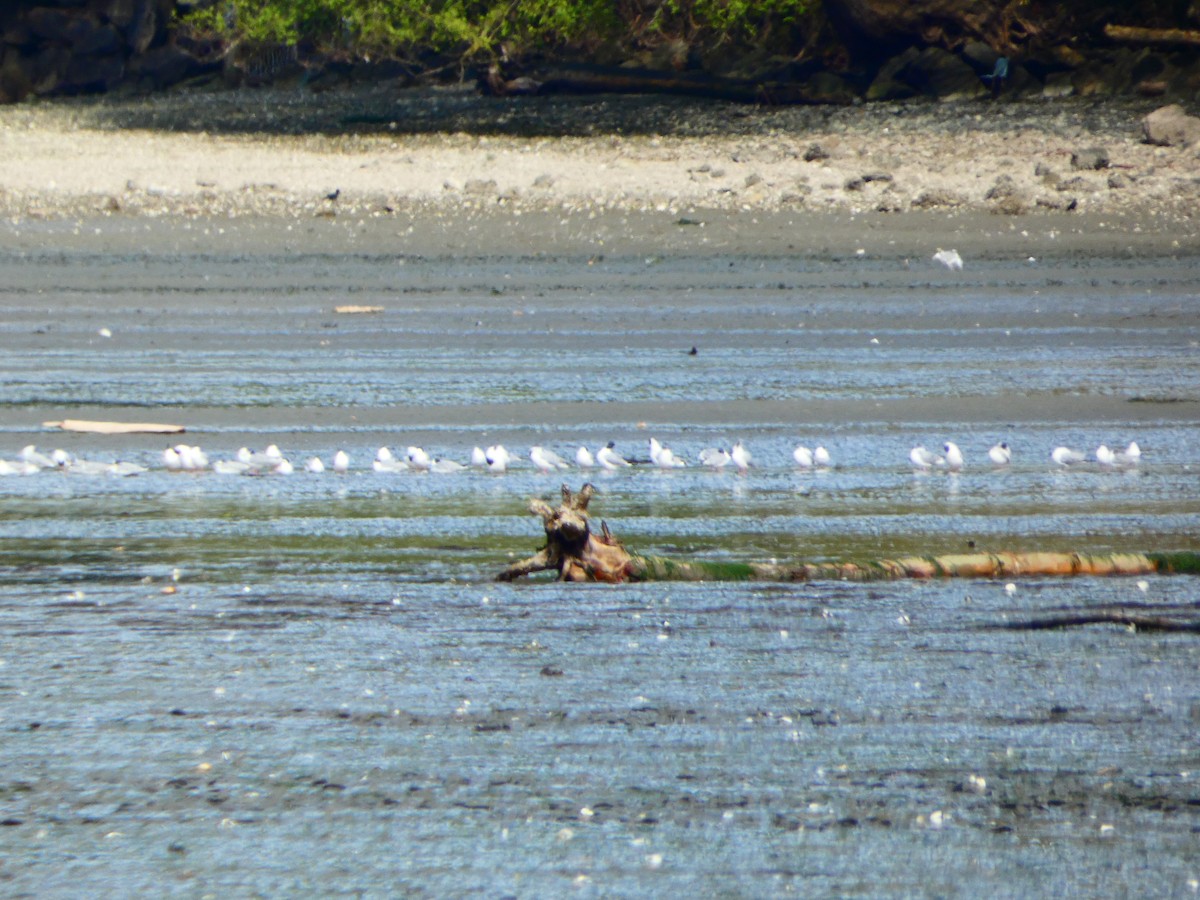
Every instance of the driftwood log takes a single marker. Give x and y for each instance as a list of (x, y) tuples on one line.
[(588, 79), (578, 554), (1136, 35), (572, 549)]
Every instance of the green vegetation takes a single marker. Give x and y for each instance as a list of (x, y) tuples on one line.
[(482, 31)]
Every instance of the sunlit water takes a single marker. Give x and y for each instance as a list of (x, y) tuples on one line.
[(309, 684)]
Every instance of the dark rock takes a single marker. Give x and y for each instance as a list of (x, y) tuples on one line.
[(815, 153), (932, 72), (88, 74), (888, 85), (1116, 181), (1091, 158), (855, 184), (1003, 188), (169, 64), (47, 24), (1170, 126), (143, 26), (876, 176), (119, 12), (91, 38), (980, 56)]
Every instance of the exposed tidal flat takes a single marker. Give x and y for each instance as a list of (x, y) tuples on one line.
[(308, 684)]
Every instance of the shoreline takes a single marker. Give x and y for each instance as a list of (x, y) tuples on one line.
[(388, 154)]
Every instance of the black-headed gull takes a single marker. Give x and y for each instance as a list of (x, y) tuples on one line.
[(610, 459), (341, 462), (584, 458), (385, 462), (921, 458), (498, 458), (803, 457), (1065, 456), (714, 457), (1000, 454), (953, 460), (740, 456), (1130, 456), (314, 465), (34, 457), (664, 457), (546, 460)]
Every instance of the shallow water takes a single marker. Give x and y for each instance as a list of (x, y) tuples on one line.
[(309, 684)]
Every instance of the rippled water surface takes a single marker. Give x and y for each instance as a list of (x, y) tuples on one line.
[(309, 684)]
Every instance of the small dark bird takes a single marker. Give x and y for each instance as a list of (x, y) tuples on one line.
[(693, 352), (334, 195)]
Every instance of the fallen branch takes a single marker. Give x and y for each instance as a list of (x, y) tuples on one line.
[(91, 427), (1133, 34)]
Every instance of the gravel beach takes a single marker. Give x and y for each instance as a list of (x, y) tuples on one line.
[(380, 152)]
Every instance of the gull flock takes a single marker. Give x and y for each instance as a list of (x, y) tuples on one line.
[(498, 460)]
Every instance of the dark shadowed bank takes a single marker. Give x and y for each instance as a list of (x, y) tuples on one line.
[(769, 51)]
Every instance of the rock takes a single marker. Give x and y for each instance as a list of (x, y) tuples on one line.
[(86, 74), (1012, 205), (932, 72), (888, 83), (1116, 181), (937, 198), (1077, 184), (1092, 158), (1003, 188), (855, 184), (48, 24), (1170, 126), (980, 56), (828, 87), (143, 26), (815, 153), (480, 186), (1058, 84), (169, 64)]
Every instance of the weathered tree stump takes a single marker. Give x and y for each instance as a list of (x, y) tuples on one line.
[(571, 547)]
